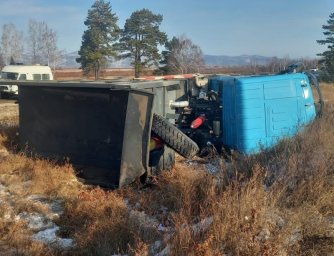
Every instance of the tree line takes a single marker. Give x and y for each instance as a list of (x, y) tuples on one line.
[(139, 40), (40, 44), (141, 37)]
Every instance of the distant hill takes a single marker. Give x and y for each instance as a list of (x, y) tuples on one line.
[(242, 60), (70, 62), (210, 60)]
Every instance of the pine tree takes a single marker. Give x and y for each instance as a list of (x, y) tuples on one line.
[(98, 39), (328, 55), (167, 55), (140, 39)]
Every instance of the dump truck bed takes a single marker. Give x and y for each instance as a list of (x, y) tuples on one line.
[(102, 125)]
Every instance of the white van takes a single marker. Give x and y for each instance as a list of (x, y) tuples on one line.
[(23, 72)]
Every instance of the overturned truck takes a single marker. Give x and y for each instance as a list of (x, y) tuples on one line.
[(115, 132)]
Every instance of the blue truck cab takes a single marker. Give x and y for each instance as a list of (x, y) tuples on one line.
[(258, 111)]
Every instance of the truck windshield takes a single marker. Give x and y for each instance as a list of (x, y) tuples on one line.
[(9, 75)]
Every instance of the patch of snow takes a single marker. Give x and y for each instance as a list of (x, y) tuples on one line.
[(156, 246), (213, 169), (263, 236), (161, 227), (274, 219), (55, 207), (164, 209), (36, 221), (144, 219), (49, 236), (164, 252), (203, 225), (191, 162)]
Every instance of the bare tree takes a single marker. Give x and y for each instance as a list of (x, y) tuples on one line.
[(182, 56), (50, 50), (35, 40), (285, 62), (43, 43), (309, 63), (254, 66), (273, 65), (11, 43), (57, 57), (277, 65), (2, 62)]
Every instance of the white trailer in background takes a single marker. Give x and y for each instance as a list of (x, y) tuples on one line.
[(22, 73)]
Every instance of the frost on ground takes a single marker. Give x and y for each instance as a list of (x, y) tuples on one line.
[(49, 236), (41, 223), (167, 232)]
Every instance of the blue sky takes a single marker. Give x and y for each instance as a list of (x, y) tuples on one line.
[(220, 27)]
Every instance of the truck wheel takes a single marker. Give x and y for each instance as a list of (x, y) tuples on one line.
[(173, 137), (166, 162)]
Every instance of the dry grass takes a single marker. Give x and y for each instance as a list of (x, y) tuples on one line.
[(99, 222), (328, 91), (275, 203)]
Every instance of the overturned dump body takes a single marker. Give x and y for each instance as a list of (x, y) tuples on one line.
[(93, 125), (102, 127)]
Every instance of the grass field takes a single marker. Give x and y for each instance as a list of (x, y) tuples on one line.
[(279, 202)]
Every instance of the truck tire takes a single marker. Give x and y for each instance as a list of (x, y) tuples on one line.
[(173, 137), (166, 162)]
